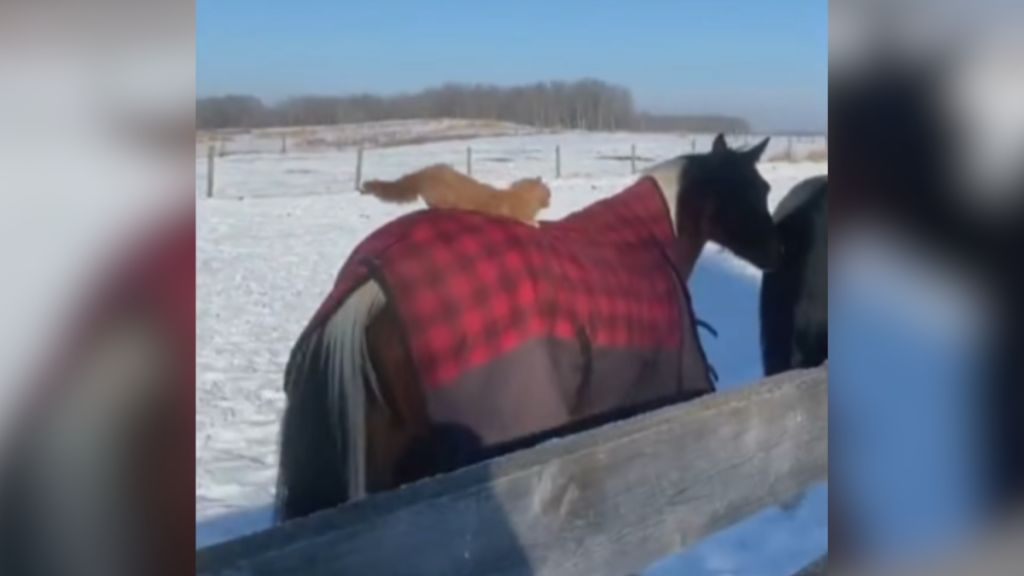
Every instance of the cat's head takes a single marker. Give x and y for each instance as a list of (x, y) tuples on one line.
[(533, 188)]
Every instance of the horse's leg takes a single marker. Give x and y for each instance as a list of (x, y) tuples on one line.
[(777, 311)]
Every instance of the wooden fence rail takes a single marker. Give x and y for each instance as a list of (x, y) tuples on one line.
[(605, 502)]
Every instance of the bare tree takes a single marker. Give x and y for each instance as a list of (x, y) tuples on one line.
[(588, 104)]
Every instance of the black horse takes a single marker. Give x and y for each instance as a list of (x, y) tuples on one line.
[(794, 296)]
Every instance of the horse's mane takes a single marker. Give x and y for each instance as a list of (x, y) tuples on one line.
[(668, 175)]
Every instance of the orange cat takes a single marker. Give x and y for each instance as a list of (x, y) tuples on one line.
[(441, 186)]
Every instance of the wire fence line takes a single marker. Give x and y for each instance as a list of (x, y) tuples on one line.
[(343, 170)]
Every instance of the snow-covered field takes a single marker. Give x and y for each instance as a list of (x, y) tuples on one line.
[(369, 134), (279, 226), (501, 158), (394, 133)]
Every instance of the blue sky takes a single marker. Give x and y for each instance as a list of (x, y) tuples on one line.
[(764, 59)]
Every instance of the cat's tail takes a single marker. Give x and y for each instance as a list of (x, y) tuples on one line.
[(401, 191)]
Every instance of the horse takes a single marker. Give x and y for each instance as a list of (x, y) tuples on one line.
[(794, 297), (451, 337)]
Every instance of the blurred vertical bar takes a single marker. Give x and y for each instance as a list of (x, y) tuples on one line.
[(97, 245), (929, 100)]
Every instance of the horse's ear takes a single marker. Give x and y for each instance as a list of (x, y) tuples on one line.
[(719, 145), (754, 154)]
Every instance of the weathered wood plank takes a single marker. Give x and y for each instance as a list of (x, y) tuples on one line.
[(605, 502)]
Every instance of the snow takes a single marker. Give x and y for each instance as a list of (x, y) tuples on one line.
[(502, 158), (272, 238), (369, 134)]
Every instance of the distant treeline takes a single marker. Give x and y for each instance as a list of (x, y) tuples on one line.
[(582, 105)]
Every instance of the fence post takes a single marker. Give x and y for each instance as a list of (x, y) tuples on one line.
[(632, 159), (558, 161), (789, 149), (359, 167), (284, 143), (469, 160), (693, 143), (211, 161)]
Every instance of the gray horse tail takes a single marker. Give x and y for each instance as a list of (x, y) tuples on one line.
[(323, 429)]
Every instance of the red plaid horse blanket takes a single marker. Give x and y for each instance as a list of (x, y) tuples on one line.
[(514, 329)]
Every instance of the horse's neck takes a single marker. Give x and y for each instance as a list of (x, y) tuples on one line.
[(686, 224), (668, 177), (690, 240)]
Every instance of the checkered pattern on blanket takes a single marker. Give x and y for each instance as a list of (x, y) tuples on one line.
[(470, 287)]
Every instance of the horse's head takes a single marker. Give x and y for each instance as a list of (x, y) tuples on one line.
[(731, 198)]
